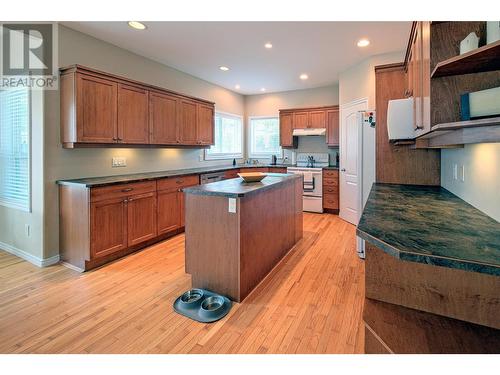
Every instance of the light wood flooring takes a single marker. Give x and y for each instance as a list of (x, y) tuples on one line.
[(310, 303)]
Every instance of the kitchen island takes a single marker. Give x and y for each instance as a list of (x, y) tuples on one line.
[(236, 232)]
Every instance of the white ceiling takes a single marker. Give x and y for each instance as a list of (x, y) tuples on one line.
[(320, 49)]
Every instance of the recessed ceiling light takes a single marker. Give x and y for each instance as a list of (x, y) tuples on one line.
[(136, 25), (363, 42), (263, 89), (237, 87), (304, 76), (268, 45), (224, 68)]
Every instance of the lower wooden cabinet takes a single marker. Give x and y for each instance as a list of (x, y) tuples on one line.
[(169, 210), (141, 218), (331, 190), (108, 227)]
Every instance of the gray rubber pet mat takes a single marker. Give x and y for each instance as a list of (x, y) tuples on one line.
[(202, 305)]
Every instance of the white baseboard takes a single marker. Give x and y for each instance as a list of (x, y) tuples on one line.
[(29, 257)]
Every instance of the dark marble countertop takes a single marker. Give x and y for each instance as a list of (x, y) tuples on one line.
[(430, 225), (110, 180), (236, 187)]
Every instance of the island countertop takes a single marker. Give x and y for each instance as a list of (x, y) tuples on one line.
[(236, 187), (430, 225)]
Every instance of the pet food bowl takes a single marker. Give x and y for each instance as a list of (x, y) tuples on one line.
[(212, 306), (192, 298)]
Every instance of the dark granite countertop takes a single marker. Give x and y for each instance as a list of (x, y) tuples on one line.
[(332, 167), (430, 225), (236, 187), (110, 180)]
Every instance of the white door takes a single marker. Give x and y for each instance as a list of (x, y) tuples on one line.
[(350, 159)]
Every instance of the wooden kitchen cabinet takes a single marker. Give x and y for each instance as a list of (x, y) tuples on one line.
[(169, 214), (108, 227), (332, 127), (96, 110), (287, 140), (331, 190), (301, 120), (163, 119), (317, 119), (205, 124), (132, 114), (188, 118), (141, 218), (102, 109)]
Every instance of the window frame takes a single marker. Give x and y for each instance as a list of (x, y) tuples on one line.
[(224, 156), (28, 206), (249, 143)]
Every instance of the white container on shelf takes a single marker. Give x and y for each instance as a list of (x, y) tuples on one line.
[(492, 31), (470, 43)]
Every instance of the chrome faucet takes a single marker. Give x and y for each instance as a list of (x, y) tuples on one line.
[(310, 162)]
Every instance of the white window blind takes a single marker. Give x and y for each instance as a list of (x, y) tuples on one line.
[(228, 137), (15, 148), (264, 137)]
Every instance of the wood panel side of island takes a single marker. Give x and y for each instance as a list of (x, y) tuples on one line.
[(212, 244)]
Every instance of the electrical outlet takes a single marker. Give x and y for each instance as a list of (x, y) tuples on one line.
[(232, 205), (201, 155), (462, 173), (27, 230), (119, 161), (455, 171)]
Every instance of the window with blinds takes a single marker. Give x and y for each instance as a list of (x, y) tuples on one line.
[(15, 148)]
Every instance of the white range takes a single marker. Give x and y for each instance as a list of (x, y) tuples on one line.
[(311, 165)]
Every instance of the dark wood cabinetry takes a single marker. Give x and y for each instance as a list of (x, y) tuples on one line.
[(101, 109), (309, 118), (141, 218), (332, 127), (96, 110)]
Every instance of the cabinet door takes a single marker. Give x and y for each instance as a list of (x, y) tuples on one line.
[(286, 130), (417, 77), (133, 124), (426, 76), (206, 123), (169, 214), (141, 212), (96, 110), (317, 119), (163, 119), (300, 120), (108, 227), (188, 114), (332, 128)]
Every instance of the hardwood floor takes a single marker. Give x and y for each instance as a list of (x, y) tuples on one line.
[(310, 303)]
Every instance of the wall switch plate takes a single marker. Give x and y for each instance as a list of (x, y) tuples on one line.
[(119, 161), (27, 230), (232, 205), (462, 173), (455, 171)]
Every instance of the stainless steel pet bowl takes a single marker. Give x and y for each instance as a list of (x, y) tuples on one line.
[(211, 306), (192, 297)]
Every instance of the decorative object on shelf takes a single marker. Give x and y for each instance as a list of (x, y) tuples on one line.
[(492, 31), (470, 43), (480, 104), (202, 305), (234, 161)]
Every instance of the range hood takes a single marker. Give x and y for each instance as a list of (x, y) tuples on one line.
[(309, 131)]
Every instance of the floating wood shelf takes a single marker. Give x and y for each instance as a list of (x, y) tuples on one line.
[(456, 134), (483, 59)]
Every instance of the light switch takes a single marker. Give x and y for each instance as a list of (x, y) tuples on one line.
[(462, 173), (119, 161), (232, 205), (455, 171)]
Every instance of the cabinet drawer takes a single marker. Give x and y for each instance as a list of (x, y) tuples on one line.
[(178, 182), (330, 173), (330, 182), (233, 173), (277, 170), (330, 189), (121, 190), (331, 201)]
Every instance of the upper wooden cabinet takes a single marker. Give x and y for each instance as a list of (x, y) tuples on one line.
[(103, 109), (96, 101), (332, 127), (308, 118), (132, 115)]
